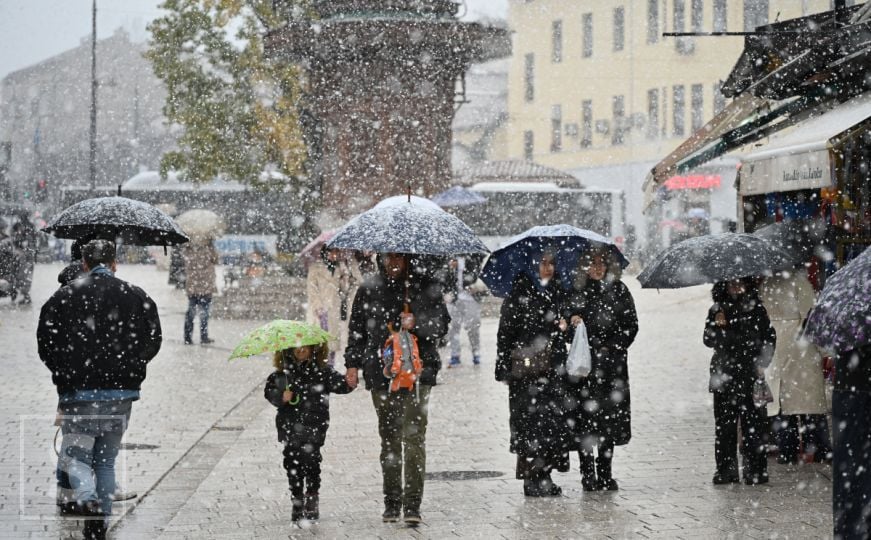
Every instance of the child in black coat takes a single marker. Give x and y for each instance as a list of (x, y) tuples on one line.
[(300, 389)]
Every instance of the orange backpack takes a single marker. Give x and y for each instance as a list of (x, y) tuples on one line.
[(402, 363)]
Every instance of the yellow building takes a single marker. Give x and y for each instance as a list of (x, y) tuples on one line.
[(595, 89)]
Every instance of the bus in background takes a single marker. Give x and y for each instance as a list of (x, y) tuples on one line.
[(513, 207)]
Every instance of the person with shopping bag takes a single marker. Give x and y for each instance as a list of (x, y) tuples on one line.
[(601, 306)]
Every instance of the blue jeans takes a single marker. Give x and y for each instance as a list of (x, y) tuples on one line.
[(204, 302), (92, 432)]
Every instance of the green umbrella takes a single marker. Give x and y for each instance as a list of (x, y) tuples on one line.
[(279, 335)]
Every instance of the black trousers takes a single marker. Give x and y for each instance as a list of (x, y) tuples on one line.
[(730, 408), (303, 466)]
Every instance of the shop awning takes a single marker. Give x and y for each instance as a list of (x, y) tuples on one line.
[(802, 156)]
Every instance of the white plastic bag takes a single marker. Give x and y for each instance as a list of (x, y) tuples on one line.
[(580, 362)]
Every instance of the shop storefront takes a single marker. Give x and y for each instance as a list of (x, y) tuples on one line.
[(818, 169)]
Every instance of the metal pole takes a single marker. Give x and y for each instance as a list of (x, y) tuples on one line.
[(93, 139)]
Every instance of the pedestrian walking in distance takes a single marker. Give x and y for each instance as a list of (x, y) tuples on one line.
[(739, 331), (200, 259), (96, 335), (531, 351), (601, 417), (299, 388), (394, 300), (464, 309)]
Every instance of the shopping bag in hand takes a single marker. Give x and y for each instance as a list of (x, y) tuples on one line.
[(580, 361), (761, 393)]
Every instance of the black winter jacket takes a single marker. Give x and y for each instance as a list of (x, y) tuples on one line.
[(98, 333), (741, 345), (602, 400), (306, 420), (380, 301)]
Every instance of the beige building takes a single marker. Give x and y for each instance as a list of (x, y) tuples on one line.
[(595, 89)]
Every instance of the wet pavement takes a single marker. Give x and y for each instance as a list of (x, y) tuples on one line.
[(201, 449)]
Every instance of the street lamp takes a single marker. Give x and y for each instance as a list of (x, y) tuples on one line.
[(93, 139)]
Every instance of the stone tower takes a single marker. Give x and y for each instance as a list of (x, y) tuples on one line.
[(383, 78)]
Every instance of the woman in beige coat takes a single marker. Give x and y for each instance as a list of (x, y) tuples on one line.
[(200, 259), (795, 374), (331, 285)]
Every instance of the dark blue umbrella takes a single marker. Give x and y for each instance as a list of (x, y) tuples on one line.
[(458, 196), (521, 253), (409, 227), (841, 318)]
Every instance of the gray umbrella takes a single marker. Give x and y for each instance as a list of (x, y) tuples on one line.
[(407, 227), (713, 258), (841, 318), (801, 239), (135, 222)]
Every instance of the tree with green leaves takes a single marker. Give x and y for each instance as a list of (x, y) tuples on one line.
[(238, 111)]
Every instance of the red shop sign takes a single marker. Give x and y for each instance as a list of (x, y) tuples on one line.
[(696, 181)]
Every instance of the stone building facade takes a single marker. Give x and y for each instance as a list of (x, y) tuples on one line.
[(45, 118)]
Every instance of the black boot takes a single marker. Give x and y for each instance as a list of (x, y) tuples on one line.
[(588, 472), (392, 511), (298, 510), (603, 471), (312, 506), (95, 528)]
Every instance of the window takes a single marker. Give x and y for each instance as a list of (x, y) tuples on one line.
[(684, 45), (697, 98), (529, 77), (586, 123), (618, 121), (720, 16), (619, 28), (697, 15), (653, 113), (755, 14), (556, 51), (528, 146), (587, 34), (677, 111), (652, 21), (556, 128), (719, 98)]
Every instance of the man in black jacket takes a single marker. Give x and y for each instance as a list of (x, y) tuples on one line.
[(402, 414), (96, 335)]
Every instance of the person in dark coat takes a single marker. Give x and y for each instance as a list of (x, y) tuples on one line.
[(601, 407), (402, 415), (530, 316), (740, 332), (300, 387), (96, 336), (851, 408)]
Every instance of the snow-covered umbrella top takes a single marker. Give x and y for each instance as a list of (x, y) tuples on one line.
[(135, 222), (713, 258), (408, 227), (841, 318)]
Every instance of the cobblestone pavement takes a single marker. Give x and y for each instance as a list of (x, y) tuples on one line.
[(215, 470)]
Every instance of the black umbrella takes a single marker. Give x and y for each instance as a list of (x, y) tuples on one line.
[(410, 228), (713, 258), (135, 222), (799, 238)]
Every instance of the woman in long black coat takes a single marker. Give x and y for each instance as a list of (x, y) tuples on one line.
[(600, 414), (531, 314), (740, 332)]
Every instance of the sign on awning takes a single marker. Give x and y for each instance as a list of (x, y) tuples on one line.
[(801, 157)]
